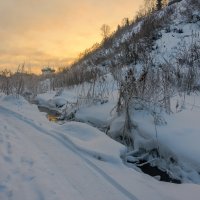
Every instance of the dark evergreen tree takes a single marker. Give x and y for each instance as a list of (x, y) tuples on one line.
[(159, 4)]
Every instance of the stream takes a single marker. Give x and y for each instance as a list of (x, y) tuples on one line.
[(54, 116)]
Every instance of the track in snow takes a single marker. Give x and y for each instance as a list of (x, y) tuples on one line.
[(67, 144)]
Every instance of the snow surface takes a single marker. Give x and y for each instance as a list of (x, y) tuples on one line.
[(177, 135), (43, 160)]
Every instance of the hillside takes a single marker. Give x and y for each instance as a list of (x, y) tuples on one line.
[(121, 123), (138, 80)]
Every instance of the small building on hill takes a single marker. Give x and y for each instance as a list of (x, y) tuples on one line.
[(48, 71)]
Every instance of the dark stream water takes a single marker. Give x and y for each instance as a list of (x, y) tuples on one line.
[(52, 114), (155, 171)]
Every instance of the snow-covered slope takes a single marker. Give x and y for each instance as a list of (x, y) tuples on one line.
[(43, 160), (76, 160), (175, 135)]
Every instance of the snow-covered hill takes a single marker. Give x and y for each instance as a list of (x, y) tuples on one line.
[(131, 105), (126, 86)]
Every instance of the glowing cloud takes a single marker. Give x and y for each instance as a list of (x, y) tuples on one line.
[(41, 32)]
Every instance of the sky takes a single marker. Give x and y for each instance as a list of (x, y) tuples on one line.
[(54, 32)]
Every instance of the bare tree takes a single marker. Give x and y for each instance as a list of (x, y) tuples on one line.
[(125, 21), (105, 31), (18, 78), (6, 86), (149, 6)]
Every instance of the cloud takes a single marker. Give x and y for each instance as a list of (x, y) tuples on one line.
[(55, 30)]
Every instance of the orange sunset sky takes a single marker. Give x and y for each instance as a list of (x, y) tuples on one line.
[(54, 32)]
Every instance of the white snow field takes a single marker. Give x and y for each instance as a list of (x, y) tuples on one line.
[(74, 161)]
